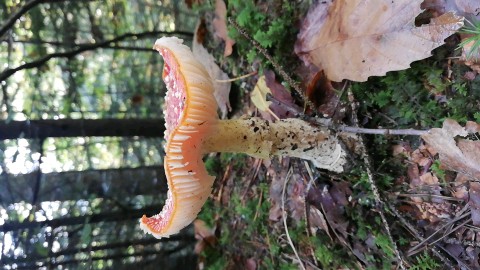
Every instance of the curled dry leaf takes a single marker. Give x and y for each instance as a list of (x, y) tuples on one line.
[(205, 236), (220, 26), (281, 94), (361, 38), (317, 221), (259, 96), (462, 156), (222, 89)]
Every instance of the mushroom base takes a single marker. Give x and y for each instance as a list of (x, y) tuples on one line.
[(288, 137)]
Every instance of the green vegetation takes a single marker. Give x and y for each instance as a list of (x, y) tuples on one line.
[(252, 233), (471, 43), (425, 262), (419, 97), (270, 25)]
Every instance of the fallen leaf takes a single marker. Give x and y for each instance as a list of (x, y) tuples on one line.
[(462, 156), (317, 221), (474, 202), (334, 213), (322, 93), (472, 127), (361, 38), (468, 6), (296, 199), (280, 94), (259, 96), (205, 236), (250, 264), (220, 26), (222, 89)]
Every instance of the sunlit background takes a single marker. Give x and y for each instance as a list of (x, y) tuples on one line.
[(94, 188)]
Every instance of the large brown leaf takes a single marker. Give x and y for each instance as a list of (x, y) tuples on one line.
[(356, 39), (461, 155)]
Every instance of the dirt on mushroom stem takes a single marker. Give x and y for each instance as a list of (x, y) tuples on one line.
[(288, 137)]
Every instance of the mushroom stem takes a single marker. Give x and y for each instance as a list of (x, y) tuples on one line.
[(288, 137)]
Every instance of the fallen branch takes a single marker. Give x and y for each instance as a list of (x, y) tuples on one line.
[(37, 63)]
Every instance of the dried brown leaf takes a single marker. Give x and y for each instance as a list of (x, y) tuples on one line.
[(361, 38), (205, 236), (281, 94), (220, 26), (317, 221), (222, 89), (462, 156), (474, 202), (296, 199)]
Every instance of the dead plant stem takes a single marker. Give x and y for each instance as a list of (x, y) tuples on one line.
[(344, 128), (369, 168), (284, 217), (419, 237)]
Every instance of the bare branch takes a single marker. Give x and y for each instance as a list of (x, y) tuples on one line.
[(37, 63), (11, 21)]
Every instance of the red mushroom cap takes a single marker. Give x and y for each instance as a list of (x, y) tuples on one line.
[(190, 114)]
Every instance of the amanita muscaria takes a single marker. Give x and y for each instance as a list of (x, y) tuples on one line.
[(194, 129)]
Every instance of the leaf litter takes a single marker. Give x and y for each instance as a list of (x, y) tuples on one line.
[(437, 203)]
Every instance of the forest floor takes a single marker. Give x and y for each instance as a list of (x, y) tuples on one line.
[(283, 213)]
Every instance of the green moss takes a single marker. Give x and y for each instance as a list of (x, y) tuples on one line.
[(419, 97)]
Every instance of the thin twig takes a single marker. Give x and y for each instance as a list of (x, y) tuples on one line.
[(369, 168), (382, 131), (11, 21), (284, 217), (277, 66), (296, 112), (237, 78)]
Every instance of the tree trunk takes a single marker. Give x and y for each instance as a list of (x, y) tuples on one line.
[(80, 220), (77, 185), (40, 129), (116, 247)]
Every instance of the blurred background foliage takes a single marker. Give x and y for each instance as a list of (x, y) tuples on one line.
[(74, 203)]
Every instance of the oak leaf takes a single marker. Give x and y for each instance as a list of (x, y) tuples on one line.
[(360, 38)]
